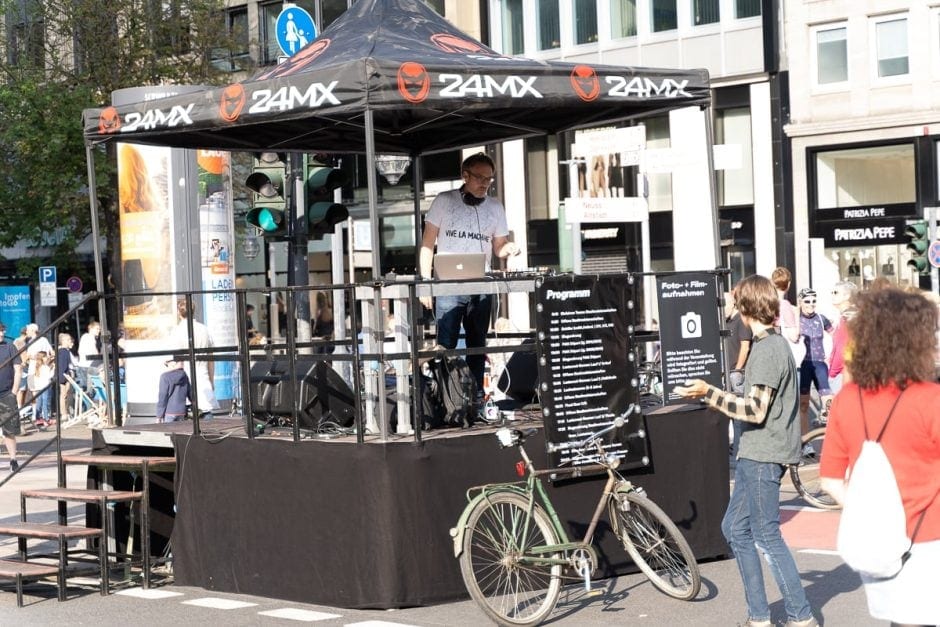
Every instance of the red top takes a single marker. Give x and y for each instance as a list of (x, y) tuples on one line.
[(911, 442), (839, 339)]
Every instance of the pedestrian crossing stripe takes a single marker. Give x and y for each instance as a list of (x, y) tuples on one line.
[(219, 604), (292, 613)]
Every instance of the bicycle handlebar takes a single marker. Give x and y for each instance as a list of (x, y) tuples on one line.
[(619, 421)]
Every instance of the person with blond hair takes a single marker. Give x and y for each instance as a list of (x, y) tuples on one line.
[(769, 444), (201, 339), (892, 365)]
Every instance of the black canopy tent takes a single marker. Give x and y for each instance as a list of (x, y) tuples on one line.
[(393, 76), (429, 87)]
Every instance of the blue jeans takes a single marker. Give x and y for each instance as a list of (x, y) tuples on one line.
[(44, 404), (473, 311), (752, 527)]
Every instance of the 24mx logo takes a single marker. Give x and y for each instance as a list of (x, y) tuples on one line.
[(637, 87), (287, 98), (153, 118), (486, 86)]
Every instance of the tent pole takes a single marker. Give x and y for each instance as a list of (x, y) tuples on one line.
[(99, 277), (712, 188), (378, 315)]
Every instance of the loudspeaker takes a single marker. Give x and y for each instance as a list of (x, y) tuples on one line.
[(520, 378), (322, 397)]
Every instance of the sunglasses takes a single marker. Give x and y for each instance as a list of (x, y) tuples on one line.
[(807, 301)]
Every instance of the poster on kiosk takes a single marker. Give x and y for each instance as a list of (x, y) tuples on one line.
[(689, 331)]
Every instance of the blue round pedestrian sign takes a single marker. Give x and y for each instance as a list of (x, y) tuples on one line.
[(295, 29)]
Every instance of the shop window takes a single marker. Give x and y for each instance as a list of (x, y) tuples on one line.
[(546, 12), (746, 8), (735, 185), (622, 18), (663, 15), (332, 9), (585, 21), (832, 60), (268, 27), (536, 170), (891, 46), (437, 5), (25, 35), (856, 177), (705, 12), (512, 27), (236, 58), (659, 183)]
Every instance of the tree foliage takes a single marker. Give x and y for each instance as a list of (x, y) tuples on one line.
[(60, 58)]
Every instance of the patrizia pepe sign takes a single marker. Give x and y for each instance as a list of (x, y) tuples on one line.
[(868, 226)]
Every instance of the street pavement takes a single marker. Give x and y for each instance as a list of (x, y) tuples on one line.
[(834, 590)]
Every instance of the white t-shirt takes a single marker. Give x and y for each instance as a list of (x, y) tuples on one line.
[(465, 228), (87, 346), (201, 339)]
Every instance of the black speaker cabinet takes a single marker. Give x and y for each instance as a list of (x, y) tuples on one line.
[(322, 396), (520, 378)]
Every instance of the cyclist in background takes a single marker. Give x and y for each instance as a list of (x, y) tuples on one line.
[(813, 369)]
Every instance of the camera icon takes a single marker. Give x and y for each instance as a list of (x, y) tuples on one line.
[(691, 323)]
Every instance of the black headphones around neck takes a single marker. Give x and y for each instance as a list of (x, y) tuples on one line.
[(470, 199)]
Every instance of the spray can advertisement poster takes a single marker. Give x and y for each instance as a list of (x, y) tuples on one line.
[(216, 228)]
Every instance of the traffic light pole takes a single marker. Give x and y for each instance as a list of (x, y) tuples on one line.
[(298, 273), (930, 215)]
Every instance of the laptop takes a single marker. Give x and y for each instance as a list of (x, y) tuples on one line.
[(449, 266)]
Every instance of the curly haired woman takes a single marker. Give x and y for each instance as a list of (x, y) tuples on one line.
[(892, 361)]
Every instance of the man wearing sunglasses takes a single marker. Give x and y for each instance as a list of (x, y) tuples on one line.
[(466, 220), (813, 370)]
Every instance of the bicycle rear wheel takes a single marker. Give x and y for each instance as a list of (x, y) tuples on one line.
[(805, 474), (655, 544), (498, 535)]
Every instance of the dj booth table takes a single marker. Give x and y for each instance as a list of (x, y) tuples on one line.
[(366, 525)]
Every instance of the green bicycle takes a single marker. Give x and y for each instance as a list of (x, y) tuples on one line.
[(513, 550)]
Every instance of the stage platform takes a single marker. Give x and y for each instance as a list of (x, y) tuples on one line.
[(330, 521)]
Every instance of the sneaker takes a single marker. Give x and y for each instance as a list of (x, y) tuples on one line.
[(809, 451), (14, 465), (753, 622), (808, 622)]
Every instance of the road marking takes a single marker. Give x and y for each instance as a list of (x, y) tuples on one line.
[(377, 623), (219, 604), (140, 593), (805, 508), (291, 613), (818, 552)]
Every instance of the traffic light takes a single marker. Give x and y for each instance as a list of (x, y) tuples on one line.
[(322, 212), (269, 212), (919, 235)]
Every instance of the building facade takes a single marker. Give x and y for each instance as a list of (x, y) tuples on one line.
[(739, 43), (865, 124)]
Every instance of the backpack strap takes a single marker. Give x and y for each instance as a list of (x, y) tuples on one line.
[(920, 518), (890, 413)]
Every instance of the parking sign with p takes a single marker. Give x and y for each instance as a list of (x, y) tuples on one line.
[(47, 286)]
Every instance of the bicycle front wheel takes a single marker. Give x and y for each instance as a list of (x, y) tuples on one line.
[(805, 474), (655, 544), (509, 588)]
